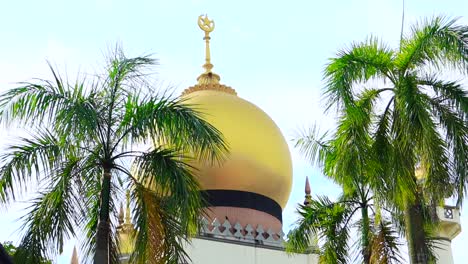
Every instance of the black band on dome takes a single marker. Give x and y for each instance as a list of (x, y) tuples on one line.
[(231, 198)]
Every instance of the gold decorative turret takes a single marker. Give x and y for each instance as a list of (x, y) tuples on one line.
[(208, 80), (128, 220), (125, 230)]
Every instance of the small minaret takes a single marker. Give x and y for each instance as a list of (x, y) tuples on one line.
[(74, 258), (125, 231), (128, 218), (449, 228), (307, 190), (307, 201)]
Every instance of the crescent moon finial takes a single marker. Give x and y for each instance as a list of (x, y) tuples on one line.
[(206, 24)]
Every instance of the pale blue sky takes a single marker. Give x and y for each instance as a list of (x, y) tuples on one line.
[(271, 52)]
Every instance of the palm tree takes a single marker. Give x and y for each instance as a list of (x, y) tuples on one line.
[(422, 123), (78, 153), (346, 158)]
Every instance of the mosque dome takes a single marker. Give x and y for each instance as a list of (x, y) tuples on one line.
[(259, 160), (255, 180)]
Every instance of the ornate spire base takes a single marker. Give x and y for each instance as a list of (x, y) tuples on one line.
[(211, 86)]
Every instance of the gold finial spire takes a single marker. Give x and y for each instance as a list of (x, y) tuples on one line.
[(207, 26), (208, 80), (208, 77)]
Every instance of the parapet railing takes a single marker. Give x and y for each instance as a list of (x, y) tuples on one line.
[(242, 233)]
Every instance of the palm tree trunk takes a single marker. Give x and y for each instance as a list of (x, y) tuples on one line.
[(103, 233), (415, 234), (365, 234)]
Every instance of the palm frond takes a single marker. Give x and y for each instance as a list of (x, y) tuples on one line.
[(350, 146), (451, 93), (382, 151), (26, 160), (166, 173), (52, 219), (430, 148), (325, 220), (173, 123), (438, 42), (126, 74), (363, 61), (456, 138), (159, 232), (312, 144), (335, 249), (69, 107), (384, 245), (304, 235), (123, 77)]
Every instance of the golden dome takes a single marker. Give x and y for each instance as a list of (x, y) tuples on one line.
[(259, 160)]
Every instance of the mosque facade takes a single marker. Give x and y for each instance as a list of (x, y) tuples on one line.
[(248, 192)]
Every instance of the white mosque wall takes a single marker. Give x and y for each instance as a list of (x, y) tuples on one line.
[(209, 251)]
